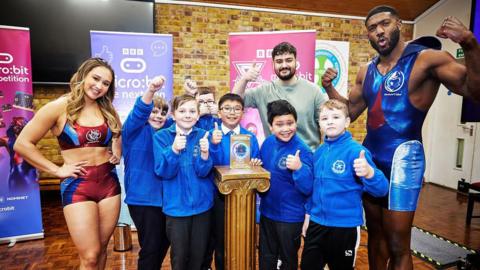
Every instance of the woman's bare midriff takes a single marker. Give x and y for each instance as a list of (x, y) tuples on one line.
[(94, 155)]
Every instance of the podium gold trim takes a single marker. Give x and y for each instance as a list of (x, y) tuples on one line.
[(240, 186)]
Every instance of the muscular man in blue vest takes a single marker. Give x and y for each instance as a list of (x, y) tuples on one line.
[(397, 88)]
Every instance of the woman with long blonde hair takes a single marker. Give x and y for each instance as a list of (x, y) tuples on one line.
[(88, 131)]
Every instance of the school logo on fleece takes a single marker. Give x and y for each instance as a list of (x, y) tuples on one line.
[(196, 150), (394, 82), (338, 167), (282, 163)]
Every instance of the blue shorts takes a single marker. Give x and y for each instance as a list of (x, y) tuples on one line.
[(408, 166), (406, 178)]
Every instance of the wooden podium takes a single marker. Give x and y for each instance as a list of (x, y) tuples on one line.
[(239, 186)]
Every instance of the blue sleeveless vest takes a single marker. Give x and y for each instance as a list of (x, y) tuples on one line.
[(392, 119)]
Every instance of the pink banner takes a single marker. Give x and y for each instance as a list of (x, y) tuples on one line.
[(256, 47), (20, 211)]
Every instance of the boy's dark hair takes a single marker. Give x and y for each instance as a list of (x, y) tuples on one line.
[(231, 97), (278, 108), (161, 103), (380, 9), (284, 48)]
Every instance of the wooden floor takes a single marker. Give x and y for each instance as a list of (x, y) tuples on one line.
[(441, 211)]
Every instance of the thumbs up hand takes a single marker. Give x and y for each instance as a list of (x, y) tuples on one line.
[(217, 134), (204, 146), (293, 161), (106, 54), (252, 74), (361, 166), (179, 143), (204, 143)]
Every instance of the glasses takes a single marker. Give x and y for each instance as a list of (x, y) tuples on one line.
[(207, 102), (232, 109)]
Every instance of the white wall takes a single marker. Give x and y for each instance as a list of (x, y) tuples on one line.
[(476, 157), (439, 129)]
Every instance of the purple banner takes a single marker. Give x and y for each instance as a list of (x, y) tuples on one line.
[(136, 58), (20, 209), (476, 20)]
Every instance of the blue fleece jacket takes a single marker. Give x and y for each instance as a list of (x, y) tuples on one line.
[(221, 151), (187, 187), (205, 122), (337, 192), (169, 122), (142, 186), (285, 200)]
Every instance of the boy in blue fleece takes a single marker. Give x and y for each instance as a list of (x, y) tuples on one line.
[(343, 170), (183, 161), (205, 97), (143, 188), (282, 207), (230, 112), (208, 108)]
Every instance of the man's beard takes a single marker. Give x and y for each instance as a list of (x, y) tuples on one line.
[(286, 77), (393, 41)]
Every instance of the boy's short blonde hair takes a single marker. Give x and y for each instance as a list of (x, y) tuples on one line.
[(335, 104), (178, 101), (161, 103)]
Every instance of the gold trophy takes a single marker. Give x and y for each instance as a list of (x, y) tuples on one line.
[(240, 151)]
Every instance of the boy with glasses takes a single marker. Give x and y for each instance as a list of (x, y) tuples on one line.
[(205, 97), (208, 108), (230, 112)]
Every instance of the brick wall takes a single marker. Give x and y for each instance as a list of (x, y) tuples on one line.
[(200, 37)]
